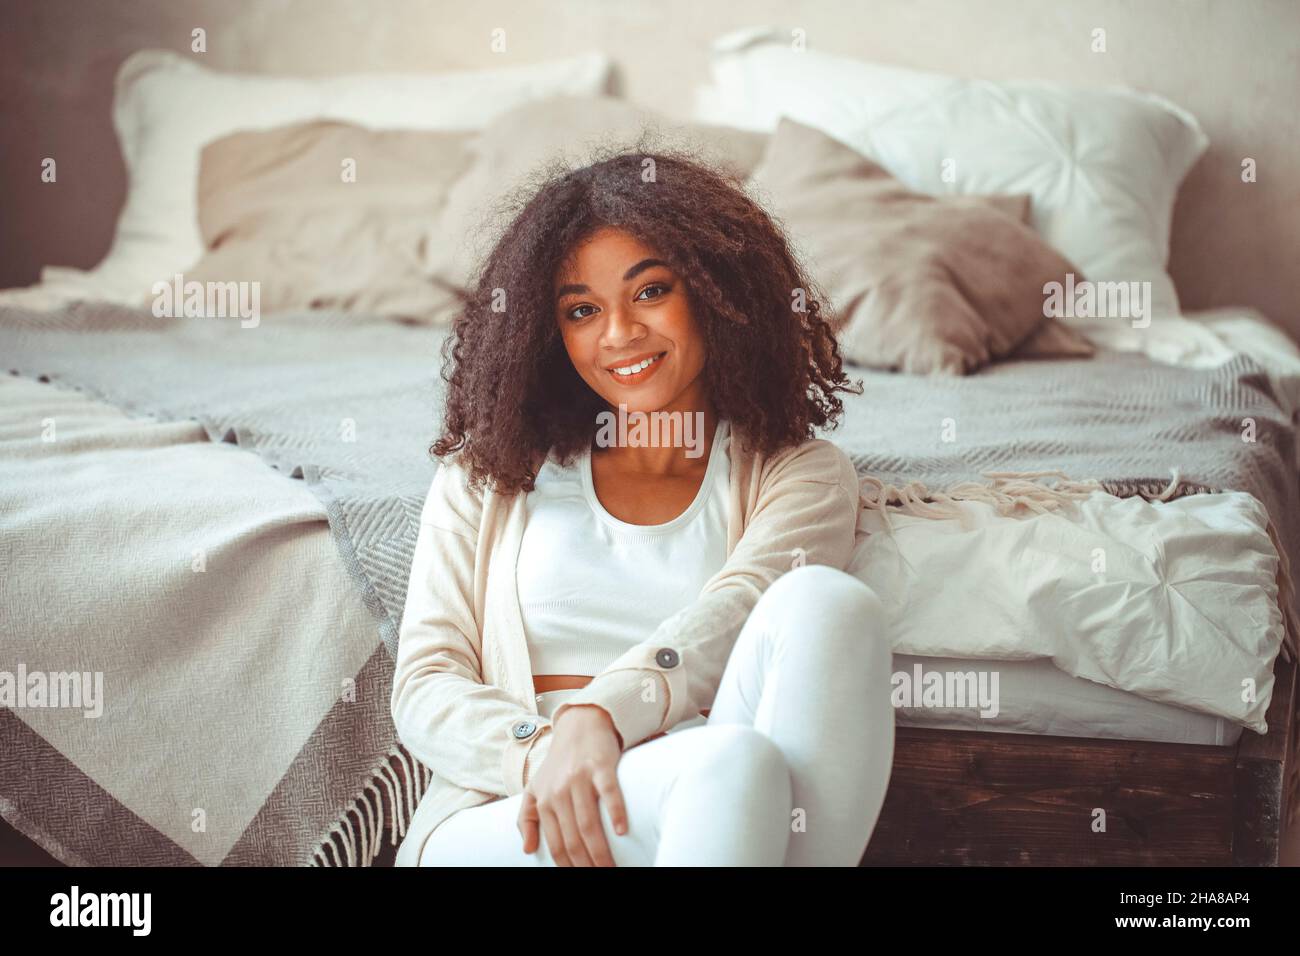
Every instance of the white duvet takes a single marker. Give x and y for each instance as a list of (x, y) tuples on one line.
[(1174, 601)]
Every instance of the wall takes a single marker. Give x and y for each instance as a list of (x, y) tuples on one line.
[(1235, 65)]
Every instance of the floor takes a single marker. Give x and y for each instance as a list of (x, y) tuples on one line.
[(17, 850)]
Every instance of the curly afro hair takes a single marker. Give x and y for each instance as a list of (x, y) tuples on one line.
[(772, 365)]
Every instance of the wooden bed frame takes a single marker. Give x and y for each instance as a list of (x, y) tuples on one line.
[(979, 798), (969, 798)]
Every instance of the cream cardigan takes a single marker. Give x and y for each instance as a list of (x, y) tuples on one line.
[(463, 699)]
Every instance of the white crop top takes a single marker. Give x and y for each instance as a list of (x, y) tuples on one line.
[(592, 586)]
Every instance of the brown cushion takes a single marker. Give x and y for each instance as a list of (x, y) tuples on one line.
[(916, 283), (274, 208), (565, 132)]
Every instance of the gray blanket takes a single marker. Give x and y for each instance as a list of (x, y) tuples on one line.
[(350, 405)]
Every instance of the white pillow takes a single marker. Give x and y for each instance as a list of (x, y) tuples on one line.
[(1103, 166), (167, 107)]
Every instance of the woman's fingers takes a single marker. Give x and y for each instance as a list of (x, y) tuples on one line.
[(611, 795), (554, 840), (574, 846), (529, 822), (592, 831)]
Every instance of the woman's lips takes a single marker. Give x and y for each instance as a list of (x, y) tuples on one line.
[(638, 377)]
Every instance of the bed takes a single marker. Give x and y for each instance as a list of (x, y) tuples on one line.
[(217, 521), (270, 500)]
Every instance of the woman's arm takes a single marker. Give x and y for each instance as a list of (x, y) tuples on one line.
[(448, 718), (806, 513)]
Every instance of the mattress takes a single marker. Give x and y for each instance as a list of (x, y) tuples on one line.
[(1037, 697), (1033, 697)]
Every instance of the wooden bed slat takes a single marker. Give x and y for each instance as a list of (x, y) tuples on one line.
[(986, 798)]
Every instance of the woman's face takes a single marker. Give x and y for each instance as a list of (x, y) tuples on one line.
[(618, 304)]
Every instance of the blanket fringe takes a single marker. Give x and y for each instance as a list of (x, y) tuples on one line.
[(356, 842), (1012, 491), (1009, 492)]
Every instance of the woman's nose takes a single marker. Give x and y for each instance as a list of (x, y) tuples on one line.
[(621, 327)]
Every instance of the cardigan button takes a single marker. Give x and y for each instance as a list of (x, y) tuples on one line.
[(523, 729), (667, 657)]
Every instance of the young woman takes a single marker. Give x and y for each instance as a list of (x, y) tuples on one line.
[(624, 646)]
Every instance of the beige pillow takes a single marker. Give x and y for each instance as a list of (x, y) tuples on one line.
[(916, 283), (277, 207), (528, 143)]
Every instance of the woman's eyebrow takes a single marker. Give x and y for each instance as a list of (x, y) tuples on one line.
[(641, 267), (636, 270)]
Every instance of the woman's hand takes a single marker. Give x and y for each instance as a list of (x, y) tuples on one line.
[(563, 798)]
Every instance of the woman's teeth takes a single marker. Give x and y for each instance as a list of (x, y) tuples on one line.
[(633, 369)]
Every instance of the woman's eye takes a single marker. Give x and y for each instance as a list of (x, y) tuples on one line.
[(654, 290)]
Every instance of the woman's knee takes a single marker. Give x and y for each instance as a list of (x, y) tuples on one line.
[(826, 592), (823, 585), (739, 755)]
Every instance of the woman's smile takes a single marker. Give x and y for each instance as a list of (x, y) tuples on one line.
[(638, 369)]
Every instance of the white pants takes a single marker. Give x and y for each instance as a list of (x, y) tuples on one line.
[(790, 768)]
